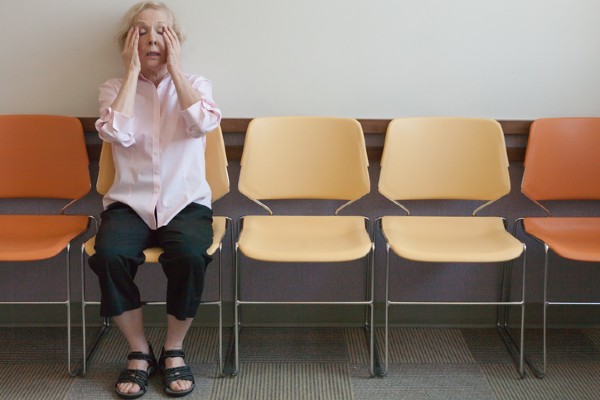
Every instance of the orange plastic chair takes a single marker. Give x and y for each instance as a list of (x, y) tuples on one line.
[(302, 158), (448, 159), (42, 157), (218, 180), (562, 163)]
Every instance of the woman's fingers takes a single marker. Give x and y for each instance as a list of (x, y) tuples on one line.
[(171, 38), (168, 32), (130, 37), (130, 49), (173, 48), (136, 39)]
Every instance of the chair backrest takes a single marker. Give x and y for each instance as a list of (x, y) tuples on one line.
[(216, 164), (43, 156), (215, 159), (304, 158), (444, 158), (562, 161)]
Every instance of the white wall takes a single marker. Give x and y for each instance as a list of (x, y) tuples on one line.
[(506, 59)]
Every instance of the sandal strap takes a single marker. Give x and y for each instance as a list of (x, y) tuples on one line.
[(138, 355), (138, 376), (178, 374), (172, 354)]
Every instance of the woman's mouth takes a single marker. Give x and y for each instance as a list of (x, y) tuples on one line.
[(153, 54)]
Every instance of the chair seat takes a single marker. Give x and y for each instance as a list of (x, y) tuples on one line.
[(572, 238), (451, 239), (38, 237), (219, 225), (304, 238)]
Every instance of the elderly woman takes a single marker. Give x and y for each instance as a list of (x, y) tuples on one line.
[(156, 119)]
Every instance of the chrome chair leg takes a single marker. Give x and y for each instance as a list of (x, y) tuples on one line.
[(503, 323), (72, 372), (371, 308), (387, 310), (87, 355), (220, 306), (83, 321), (236, 317), (537, 372), (541, 373)]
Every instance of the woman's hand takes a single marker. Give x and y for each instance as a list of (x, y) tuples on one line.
[(125, 99), (130, 54), (173, 50), (186, 94)]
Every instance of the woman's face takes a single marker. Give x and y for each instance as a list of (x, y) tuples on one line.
[(151, 46)]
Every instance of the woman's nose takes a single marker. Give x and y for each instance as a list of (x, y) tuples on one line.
[(152, 37)]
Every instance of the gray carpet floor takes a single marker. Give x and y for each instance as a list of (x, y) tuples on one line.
[(316, 363)]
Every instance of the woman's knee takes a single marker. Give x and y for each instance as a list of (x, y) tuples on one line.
[(190, 262), (185, 256), (114, 258)]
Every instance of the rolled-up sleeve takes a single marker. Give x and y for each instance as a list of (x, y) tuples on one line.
[(113, 126), (204, 115)]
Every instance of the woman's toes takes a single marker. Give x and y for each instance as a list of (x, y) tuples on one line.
[(128, 387), (179, 386)]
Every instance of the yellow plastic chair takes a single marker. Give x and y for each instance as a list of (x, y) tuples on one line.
[(42, 156), (562, 163), (447, 159), (218, 179), (317, 158)]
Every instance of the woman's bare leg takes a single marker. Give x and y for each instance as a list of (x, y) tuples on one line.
[(176, 331), (131, 325)]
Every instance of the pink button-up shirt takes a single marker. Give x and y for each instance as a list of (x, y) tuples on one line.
[(159, 152)]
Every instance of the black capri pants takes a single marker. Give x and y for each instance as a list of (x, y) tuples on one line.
[(120, 243)]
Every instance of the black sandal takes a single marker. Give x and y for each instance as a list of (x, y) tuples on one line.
[(175, 374), (137, 376)]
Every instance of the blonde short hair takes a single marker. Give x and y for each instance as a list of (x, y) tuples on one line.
[(129, 17)]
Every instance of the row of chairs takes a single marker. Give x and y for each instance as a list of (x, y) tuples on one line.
[(325, 158)]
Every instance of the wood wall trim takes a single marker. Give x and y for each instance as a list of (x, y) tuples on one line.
[(516, 152), (89, 124)]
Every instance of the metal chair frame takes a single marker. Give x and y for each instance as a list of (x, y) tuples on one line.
[(67, 302), (369, 303), (537, 371), (502, 323)]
